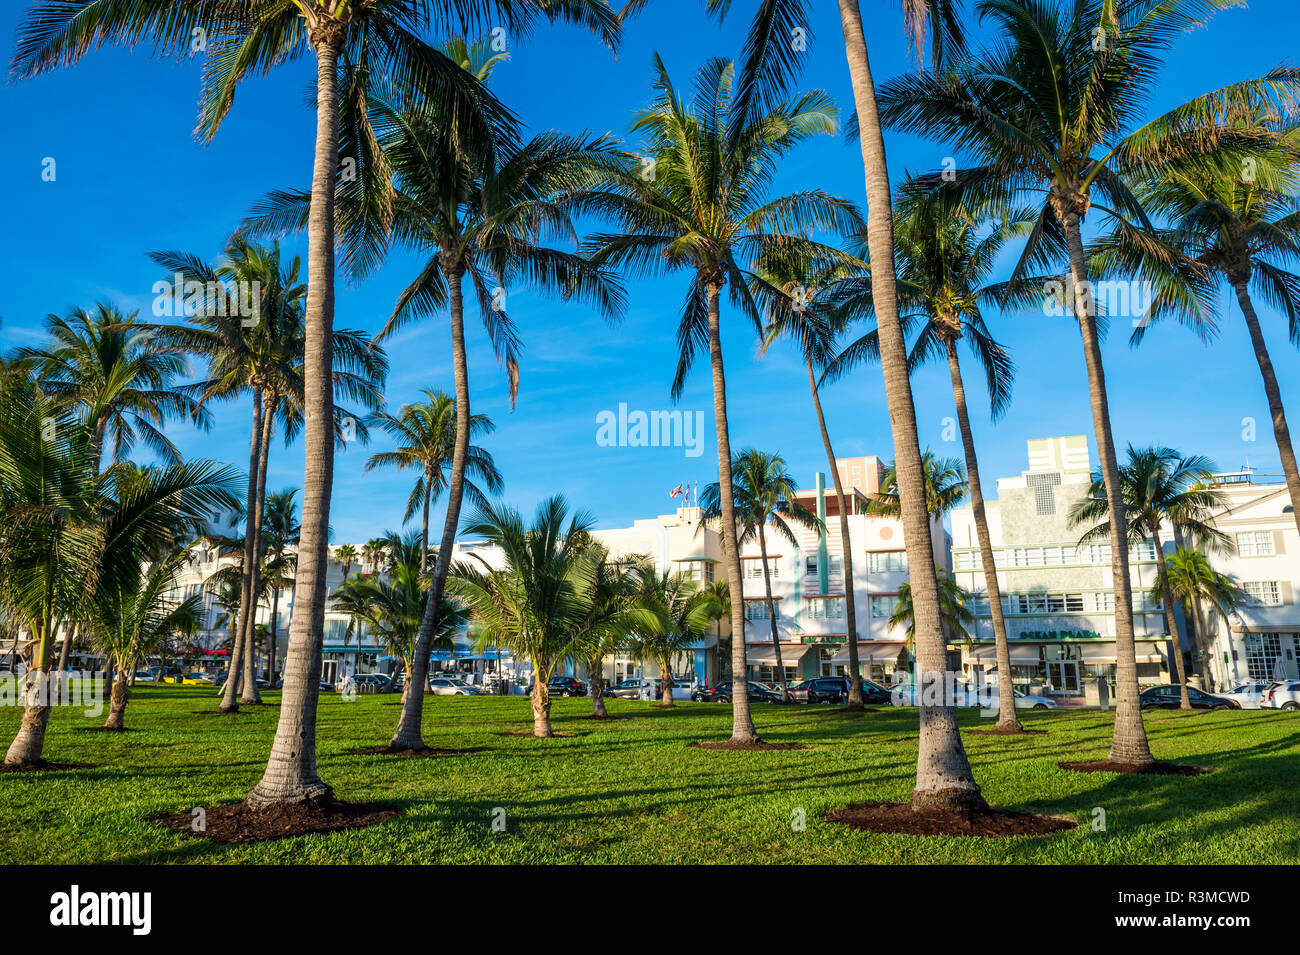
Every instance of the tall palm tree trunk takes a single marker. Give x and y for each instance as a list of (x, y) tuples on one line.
[(249, 692), (29, 743), (1202, 644), (1008, 722), (1167, 595), (408, 733), (943, 774), (1281, 432), (846, 545), (275, 630), (424, 523), (742, 725), (235, 675), (291, 775), (771, 614), (1129, 744)]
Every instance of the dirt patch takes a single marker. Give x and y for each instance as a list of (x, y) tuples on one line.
[(41, 766), (899, 817), (1006, 732), (1130, 769), (239, 822), (755, 746), (528, 734), (387, 750)]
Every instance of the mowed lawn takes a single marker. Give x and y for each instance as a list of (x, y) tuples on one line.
[(635, 791)]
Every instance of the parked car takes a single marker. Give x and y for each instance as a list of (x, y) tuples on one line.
[(1249, 695), (990, 698), (963, 694), (566, 686), (144, 676), (1169, 697), (722, 693), (627, 689), (1282, 696), (835, 689), (653, 690), (447, 686)]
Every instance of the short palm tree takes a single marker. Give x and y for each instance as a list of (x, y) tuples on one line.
[(66, 531), (954, 606), (425, 432), (380, 37), (119, 376), (346, 555), (700, 201), (1195, 584), (534, 603), (131, 617), (763, 499), (1162, 489), (1052, 108), (672, 616)]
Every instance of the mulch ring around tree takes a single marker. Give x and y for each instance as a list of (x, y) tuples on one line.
[(41, 766), (387, 750), (1129, 769), (899, 817), (239, 822), (1005, 732), (757, 745)]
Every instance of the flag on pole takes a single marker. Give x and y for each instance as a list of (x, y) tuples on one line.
[(676, 491)]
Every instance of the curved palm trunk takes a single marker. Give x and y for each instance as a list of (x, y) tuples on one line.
[(1129, 744), (249, 692), (408, 733), (742, 725), (117, 699), (424, 524), (291, 775), (235, 675), (1007, 719), (1167, 595), (850, 611), (771, 615), (943, 774), (1281, 432), (275, 631), (29, 743)]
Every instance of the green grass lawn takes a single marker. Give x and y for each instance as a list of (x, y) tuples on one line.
[(635, 791)]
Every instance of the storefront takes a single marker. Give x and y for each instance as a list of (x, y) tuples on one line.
[(1062, 662), (878, 661), (761, 660)]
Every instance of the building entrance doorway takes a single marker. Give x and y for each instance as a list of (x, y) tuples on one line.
[(1063, 676)]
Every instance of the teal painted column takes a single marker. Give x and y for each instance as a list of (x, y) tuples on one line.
[(823, 558)]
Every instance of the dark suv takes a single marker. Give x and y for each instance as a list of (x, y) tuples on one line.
[(722, 694), (566, 686), (835, 689), (1169, 697)]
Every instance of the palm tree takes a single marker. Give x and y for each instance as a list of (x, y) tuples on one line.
[(944, 257), (119, 376), (672, 615), (66, 530), (534, 603), (954, 609), (132, 616), (945, 488), (1160, 488), (358, 36), (373, 555), (1050, 107), (1194, 583), (763, 494), (282, 528), (1243, 229), (267, 358), (699, 201), (345, 554), (607, 620), (425, 432)]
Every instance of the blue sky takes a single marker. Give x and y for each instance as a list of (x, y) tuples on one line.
[(131, 179)]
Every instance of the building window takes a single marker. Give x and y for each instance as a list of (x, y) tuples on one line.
[(1255, 543), (810, 565), (697, 570), (1263, 593), (754, 568), (890, 561), (824, 608), (757, 610), (966, 560), (1044, 491), (1262, 652), (882, 606)]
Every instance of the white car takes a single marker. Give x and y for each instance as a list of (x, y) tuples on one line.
[(682, 690), (444, 686), (1024, 701), (1282, 696), (1249, 695)]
